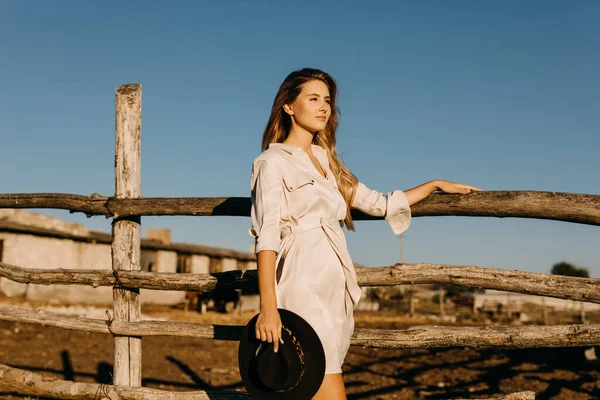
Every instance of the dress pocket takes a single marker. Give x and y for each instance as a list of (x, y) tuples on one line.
[(295, 182)]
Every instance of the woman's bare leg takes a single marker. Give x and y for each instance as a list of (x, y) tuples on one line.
[(332, 388)]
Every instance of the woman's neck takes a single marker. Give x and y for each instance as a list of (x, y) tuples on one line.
[(300, 138)]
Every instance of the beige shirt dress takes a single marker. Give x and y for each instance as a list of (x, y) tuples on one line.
[(297, 213)]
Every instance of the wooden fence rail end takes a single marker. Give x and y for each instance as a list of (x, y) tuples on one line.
[(34, 384)]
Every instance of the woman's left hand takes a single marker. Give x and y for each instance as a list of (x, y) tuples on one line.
[(454, 187)]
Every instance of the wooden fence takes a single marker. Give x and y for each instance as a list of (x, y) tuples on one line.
[(127, 206)]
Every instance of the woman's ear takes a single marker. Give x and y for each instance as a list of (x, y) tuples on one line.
[(288, 109)]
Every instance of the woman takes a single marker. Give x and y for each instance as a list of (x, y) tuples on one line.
[(301, 197)]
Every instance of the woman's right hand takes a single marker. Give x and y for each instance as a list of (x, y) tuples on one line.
[(268, 327)]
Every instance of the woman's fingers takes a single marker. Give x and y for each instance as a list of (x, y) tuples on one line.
[(275, 342), (279, 328), (465, 189), (270, 336), (473, 188), (269, 331)]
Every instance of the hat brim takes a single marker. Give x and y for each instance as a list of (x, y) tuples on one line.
[(314, 359)]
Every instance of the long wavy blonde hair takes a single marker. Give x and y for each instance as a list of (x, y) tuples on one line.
[(279, 125)]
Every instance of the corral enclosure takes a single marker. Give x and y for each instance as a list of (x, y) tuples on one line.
[(127, 279)]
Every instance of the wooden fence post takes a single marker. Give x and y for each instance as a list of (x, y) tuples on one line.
[(126, 231)]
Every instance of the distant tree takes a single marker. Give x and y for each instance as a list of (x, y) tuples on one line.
[(567, 269)]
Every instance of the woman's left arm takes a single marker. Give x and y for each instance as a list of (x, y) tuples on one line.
[(420, 192), (395, 206)]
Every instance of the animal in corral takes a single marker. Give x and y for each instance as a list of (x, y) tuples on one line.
[(221, 297), (195, 298)]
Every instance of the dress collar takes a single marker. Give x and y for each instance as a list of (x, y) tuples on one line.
[(317, 150)]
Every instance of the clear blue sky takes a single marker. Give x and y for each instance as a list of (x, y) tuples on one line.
[(501, 95)]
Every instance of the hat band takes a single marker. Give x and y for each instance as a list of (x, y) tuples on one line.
[(300, 353)]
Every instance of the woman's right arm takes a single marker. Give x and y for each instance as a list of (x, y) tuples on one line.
[(268, 325), (266, 186)]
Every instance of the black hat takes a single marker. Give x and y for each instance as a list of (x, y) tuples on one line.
[(296, 371)]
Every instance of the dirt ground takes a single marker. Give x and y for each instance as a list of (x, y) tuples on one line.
[(192, 364)]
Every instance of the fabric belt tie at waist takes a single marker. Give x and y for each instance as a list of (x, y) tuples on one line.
[(334, 233), (307, 224)]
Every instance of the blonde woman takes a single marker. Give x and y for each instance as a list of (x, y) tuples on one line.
[(302, 195)]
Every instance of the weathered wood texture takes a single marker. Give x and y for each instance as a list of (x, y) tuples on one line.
[(427, 336), (125, 279), (34, 384), (126, 232), (569, 207), (562, 287), (527, 395), (422, 336)]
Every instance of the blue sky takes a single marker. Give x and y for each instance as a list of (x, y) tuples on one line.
[(500, 95)]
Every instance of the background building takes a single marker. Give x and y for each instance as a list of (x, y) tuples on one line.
[(32, 240)]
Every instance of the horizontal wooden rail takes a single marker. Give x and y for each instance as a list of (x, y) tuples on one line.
[(562, 287), (425, 336), (533, 283), (569, 207), (33, 384), (102, 277)]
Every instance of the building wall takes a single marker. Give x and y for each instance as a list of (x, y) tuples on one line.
[(8, 287), (200, 264), (166, 261), (229, 264), (148, 260), (30, 251)]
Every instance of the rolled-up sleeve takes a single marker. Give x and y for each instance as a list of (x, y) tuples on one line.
[(266, 187), (393, 206)]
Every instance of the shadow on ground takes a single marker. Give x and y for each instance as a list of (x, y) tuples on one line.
[(183, 364)]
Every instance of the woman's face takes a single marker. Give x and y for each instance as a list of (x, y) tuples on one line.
[(312, 109)]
